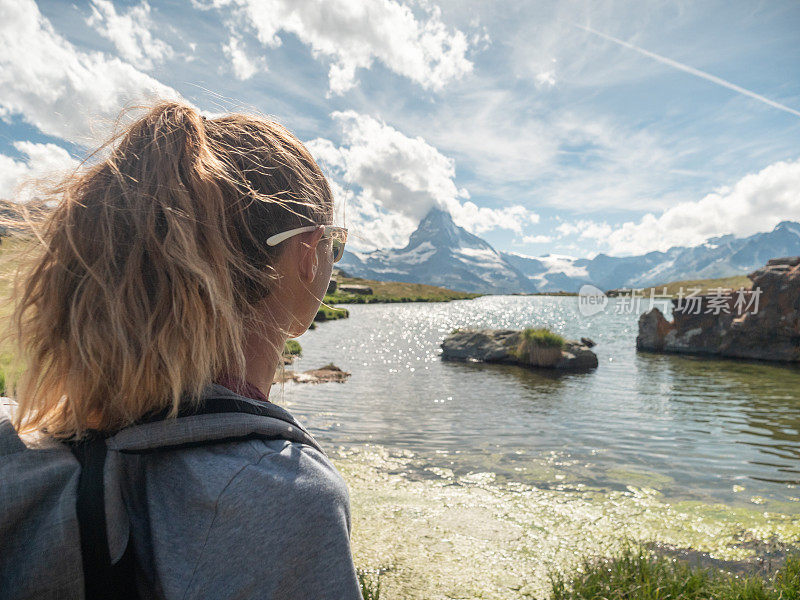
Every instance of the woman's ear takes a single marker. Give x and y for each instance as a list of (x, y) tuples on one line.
[(308, 262)]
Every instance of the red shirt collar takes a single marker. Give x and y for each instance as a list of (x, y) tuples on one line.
[(241, 387)]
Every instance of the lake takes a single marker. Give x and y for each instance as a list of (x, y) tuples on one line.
[(691, 427), (472, 480)]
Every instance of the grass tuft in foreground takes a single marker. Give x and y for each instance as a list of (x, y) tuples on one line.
[(370, 582), (638, 575)]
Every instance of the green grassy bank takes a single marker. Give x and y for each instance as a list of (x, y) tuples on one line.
[(639, 575), (394, 291), (11, 250), (331, 313)]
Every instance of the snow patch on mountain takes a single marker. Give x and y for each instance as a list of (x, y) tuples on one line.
[(557, 263), (420, 254)]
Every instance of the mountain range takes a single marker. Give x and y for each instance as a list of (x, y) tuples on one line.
[(441, 253)]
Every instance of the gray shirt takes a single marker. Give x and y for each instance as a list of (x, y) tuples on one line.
[(266, 516), (246, 519)]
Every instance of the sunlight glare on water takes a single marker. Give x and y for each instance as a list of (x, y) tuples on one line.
[(694, 428), (472, 480)]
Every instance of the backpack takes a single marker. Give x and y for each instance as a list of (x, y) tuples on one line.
[(55, 497)]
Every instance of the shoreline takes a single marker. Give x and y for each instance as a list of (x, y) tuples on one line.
[(444, 535)]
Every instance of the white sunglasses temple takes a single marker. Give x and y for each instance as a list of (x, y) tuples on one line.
[(276, 239)]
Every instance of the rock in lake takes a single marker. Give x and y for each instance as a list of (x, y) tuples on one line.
[(328, 373), (760, 323), (502, 346)]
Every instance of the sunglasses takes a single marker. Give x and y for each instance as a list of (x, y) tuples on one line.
[(338, 236)]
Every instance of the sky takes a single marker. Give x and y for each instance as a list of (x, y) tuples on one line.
[(575, 127)]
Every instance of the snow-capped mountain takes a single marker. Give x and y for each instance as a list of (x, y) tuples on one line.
[(717, 257), (441, 253)]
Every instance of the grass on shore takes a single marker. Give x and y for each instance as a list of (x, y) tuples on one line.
[(8, 371), (706, 286), (292, 348), (558, 293), (11, 252), (394, 291), (638, 575), (331, 313)]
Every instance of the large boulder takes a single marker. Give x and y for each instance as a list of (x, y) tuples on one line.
[(653, 328), (480, 345), (760, 323), (500, 346), (576, 356)]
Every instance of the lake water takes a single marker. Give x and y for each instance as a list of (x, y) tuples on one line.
[(689, 427)]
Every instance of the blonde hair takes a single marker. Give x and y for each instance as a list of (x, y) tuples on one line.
[(151, 264)]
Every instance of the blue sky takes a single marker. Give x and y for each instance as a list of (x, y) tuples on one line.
[(545, 127)]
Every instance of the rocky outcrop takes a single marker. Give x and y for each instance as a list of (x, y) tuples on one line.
[(328, 373), (760, 323), (500, 346), (355, 288), (653, 330)]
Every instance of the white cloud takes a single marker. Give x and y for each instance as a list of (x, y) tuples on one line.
[(536, 239), (130, 32), (755, 203), (546, 79), (400, 179), (59, 89), (43, 161), (480, 218), (244, 66), (601, 138), (545, 38), (586, 229), (567, 229), (352, 35), (516, 145)]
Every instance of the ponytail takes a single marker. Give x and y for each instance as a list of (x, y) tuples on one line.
[(151, 264)]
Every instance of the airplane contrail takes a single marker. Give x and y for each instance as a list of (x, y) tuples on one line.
[(693, 71)]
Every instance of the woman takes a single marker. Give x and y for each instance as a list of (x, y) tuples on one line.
[(171, 271)]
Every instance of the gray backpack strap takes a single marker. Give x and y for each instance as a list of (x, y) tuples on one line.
[(215, 420), (102, 579), (107, 581)]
